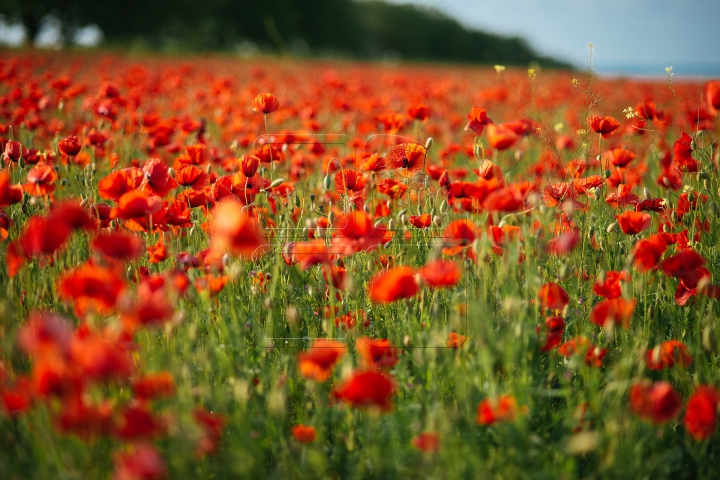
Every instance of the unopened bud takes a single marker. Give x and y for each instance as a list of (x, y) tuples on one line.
[(437, 221), (277, 182), (607, 173), (428, 143), (611, 227), (366, 208), (709, 339), (327, 182), (443, 207), (646, 193)]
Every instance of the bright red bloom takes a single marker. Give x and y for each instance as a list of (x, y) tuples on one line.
[(317, 363), (712, 94), (632, 223), (657, 402), (304, 433), (136, 204), (553, 296), (420, 221), (455, 340), (14, 151), (40, 180), (647, 252), (235, 231), (119, 246), (91, 287), (501, 409), (394, 284), (605, 126), (501, 137), (116, 184), (667, 354), (249, 164), (427, 442), (142, 462), (441, 273), (611, 287), (616, 311), (156, 178), (419, 111), (154, 385), (684, 265), (477, 120), (265, 103), (367, 389), (551, 333), (701, 413), (376, 353), (9, 194), (69, 146), (406, 156)]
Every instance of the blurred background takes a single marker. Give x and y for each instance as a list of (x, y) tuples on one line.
[(638, 37)]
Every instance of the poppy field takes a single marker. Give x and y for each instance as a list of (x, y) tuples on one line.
[(268, 268)]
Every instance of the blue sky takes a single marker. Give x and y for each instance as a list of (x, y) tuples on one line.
[(630, 36)]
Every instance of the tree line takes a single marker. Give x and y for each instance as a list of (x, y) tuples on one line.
[(348, 28)]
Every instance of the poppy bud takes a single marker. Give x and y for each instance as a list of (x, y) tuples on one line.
[(706, 184), (477, 150), (277, 182), (674, 216), (297, 201), (646, 193), (70, 146), (265, 103), (607, 174), (366, 208), (437, 221), (709, 339), (331, 217), (312, 197), (291, 314), (21, 162), (666, 228), (403, 219), (267, 303), (428, 143), (713, 209), (443, 207), (391, 224), (564, 272), (327, 182), (611, 227)]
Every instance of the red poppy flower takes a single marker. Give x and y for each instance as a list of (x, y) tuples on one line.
[(136, 204), (235, 231), (632, 223), (142, 462), (394, 284), (114, 185), (40, 180), (119, 246), (477, 120), (605, 126), (455, 340), (304, 433), (9, 194), (657, 402), (367, 389), (406, 156), (611, 288), (616, 311), (154, 385), (427, 442), (551, 333), (69, 146), (553, 296), (99, 357), (494, 410), (501, 137), (317, 363), (265, 103), (712, 94), (376, 353), (249, 164), (564, 243), (441, 273), (701, 413), (667, 354), (506, 199), (156, 178), (420, 221), (684, 265), (193, 177), (647, 252), (14, 151), (90, 286)]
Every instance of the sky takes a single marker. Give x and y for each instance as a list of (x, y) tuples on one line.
[(640, 37)]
